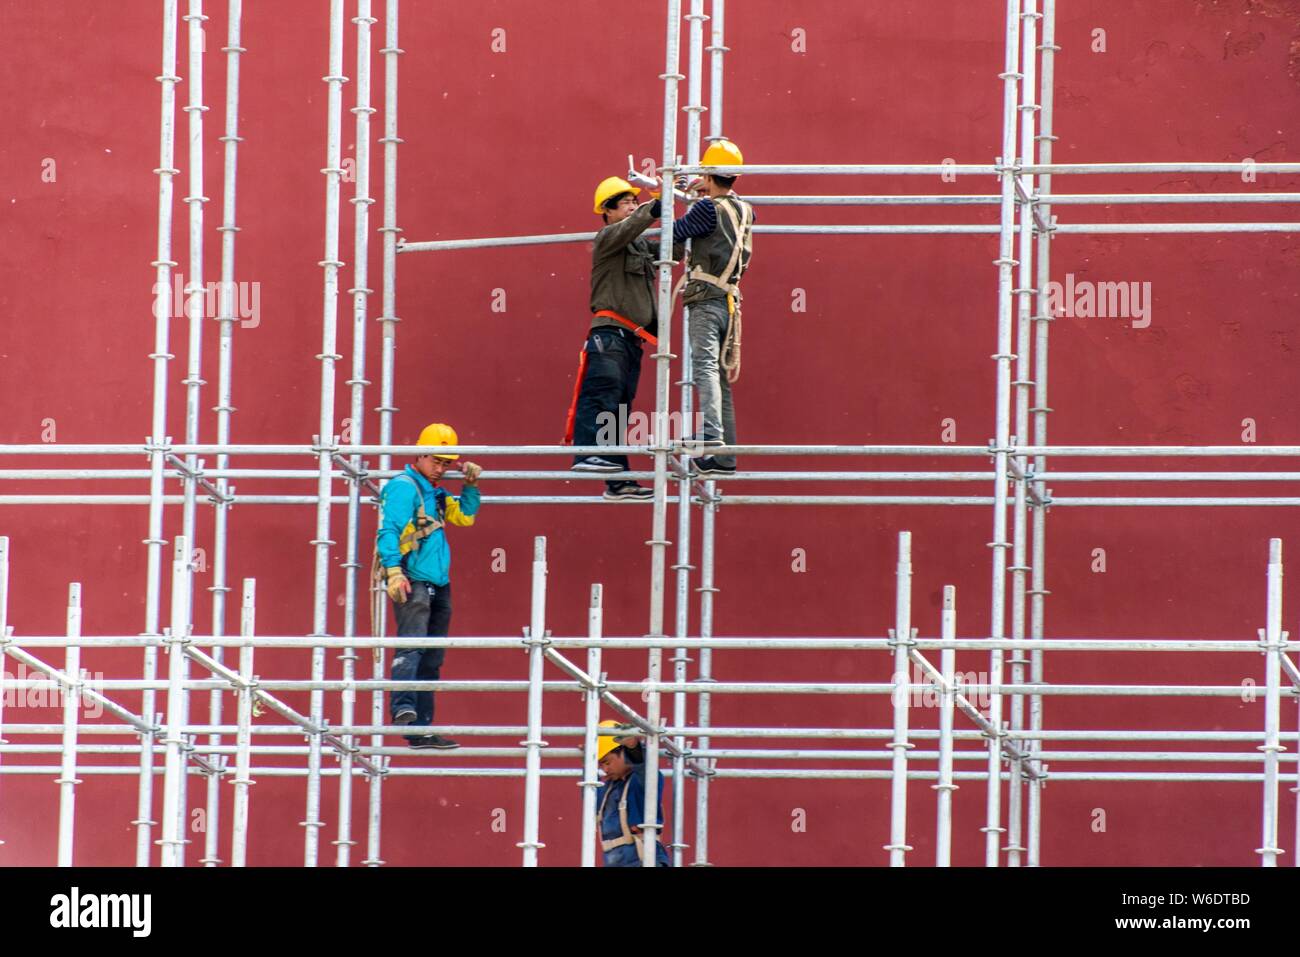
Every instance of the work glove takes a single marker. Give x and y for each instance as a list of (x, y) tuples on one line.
[(397, 587), (471, 472)]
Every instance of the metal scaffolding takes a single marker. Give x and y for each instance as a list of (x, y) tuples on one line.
[(1012, 753)]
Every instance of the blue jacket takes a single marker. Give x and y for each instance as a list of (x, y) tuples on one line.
[(610, 826), (431, 560)]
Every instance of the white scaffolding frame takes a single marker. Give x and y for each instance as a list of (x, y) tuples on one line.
[(1012, 752)]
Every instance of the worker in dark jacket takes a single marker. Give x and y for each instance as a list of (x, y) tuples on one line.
[(624, 315), (712, 297), (620, 801)]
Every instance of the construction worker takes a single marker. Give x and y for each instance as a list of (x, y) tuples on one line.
[(712, 295), (412, 547), (620, 801), (623, 306)]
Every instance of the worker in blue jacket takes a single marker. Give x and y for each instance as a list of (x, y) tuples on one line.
[(412, 549), (620, 801)]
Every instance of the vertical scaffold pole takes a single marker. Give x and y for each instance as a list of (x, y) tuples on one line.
[(947, 702), (1038, 592), (993, 811), (1273, 637), (536, 641), (158, 440), (194, 306), (708, 522), (1023, 383), (901, 639), (590, 782), (663, 369), (683, 566), (244, 736), (325, 441), (390, 140), (716, 51), (360, 304), (223, 408), (177, 638), (4, 630), (71, 710)]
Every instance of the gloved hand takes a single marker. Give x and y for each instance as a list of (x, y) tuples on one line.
[(471, 472), (397, 586)]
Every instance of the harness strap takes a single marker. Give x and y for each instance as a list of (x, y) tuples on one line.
[(573, 403), (638, 331), (628, 837)]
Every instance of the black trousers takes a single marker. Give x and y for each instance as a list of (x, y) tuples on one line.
[(608, 388), (425, 613)]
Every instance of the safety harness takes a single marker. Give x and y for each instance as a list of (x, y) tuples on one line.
[(628, 836), (742, 228), (638, 331), (416, 530)]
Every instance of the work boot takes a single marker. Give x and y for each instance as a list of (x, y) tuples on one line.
[(594, 463), (432, 741), (628, 492)]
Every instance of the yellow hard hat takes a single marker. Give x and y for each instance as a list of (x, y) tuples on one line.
[(608, 742), (611, 187), (722, 153), (439, 434)]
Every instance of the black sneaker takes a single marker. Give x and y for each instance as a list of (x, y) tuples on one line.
[(628, 492), (594, 463), (708, 466), (405, 716), (432, 741)]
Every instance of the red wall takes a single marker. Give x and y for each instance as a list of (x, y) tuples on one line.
[(896, 338)]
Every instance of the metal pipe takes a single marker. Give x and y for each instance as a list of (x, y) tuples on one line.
[(591, 696), (945, 787), (156, 444), (1042, 321), (71, 702), (663, 358), (716, 50), (902, 638), (243, 740), (225, 320), (1036, 169), (360, 304), (536, 642), (1010, 76), (1273, 638), (707, 590), (5, 630), (683, 567), (326, 439), (173, 800)]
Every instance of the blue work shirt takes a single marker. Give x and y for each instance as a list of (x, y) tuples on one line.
[(431, 560), (610, 828)]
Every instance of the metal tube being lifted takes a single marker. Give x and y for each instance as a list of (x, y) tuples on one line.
[(326, 438)]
